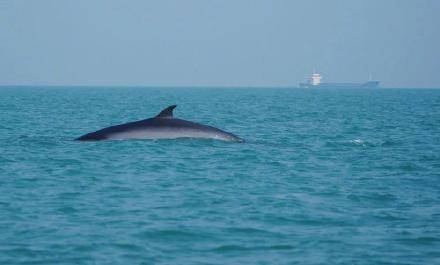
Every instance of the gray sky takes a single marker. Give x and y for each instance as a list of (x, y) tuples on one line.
[(218, 43)]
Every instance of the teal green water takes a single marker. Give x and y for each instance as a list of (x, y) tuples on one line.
[(325, 177)]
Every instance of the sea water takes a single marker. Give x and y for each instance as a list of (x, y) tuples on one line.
[(324, 177)]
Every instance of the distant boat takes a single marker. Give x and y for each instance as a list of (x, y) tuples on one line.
[(314, 81)]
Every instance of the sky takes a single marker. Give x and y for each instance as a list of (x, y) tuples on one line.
[(219, 42)]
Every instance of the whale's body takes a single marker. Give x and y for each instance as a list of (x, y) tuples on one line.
[(163, 126)]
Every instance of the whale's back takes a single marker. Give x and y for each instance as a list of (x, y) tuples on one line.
[(163, 126)]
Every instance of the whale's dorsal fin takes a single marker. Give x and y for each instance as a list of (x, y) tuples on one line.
[(167, 113)]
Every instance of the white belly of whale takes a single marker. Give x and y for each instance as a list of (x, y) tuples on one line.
[(165, 134)]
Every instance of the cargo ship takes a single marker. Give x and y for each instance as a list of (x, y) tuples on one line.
[(314, 81)]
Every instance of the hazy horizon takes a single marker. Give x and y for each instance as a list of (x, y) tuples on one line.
[(217, 43)]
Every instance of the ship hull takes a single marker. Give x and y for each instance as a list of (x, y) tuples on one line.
[(369, 84)]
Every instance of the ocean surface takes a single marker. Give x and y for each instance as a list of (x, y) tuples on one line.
[(325, 177)]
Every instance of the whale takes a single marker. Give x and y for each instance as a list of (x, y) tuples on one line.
[(162, 126)]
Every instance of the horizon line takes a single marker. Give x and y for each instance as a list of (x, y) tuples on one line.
[(192, 86)]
